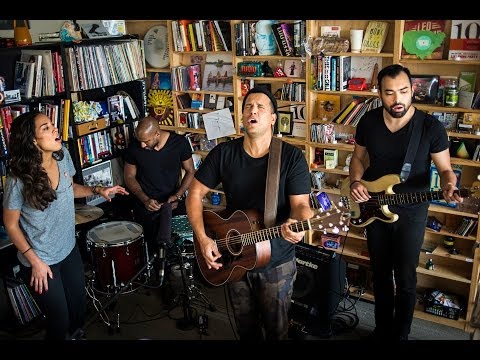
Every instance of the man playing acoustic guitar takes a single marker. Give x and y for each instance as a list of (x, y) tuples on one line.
[(261, 296), (394, 246)]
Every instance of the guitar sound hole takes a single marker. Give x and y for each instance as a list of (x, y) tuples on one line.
[(234, 243)]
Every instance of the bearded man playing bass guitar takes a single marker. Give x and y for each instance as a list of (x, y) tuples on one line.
[(261, 297), (394, 247)]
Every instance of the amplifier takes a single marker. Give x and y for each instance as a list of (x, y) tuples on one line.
[(319, 286)]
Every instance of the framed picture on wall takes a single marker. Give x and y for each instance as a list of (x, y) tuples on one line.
[(100, 174), (285, 123)]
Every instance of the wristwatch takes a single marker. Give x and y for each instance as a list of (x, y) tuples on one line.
[(179, 197)]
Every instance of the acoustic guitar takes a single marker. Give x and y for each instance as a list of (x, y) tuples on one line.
[(382, 195), (244, 243)]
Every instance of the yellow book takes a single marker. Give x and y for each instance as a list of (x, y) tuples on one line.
[(66, 119), (375, 36), (345, 112)]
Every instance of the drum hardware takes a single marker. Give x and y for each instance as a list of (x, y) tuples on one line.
[(102, 310), (86, 213), (190, 291)]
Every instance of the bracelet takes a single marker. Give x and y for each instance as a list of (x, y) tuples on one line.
[(95, 189), (30, 248), (353, 182), (179, 197)]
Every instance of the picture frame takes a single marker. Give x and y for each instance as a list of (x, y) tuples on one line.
[(425, 88), (292, 68), (99, 174), (285, 123)]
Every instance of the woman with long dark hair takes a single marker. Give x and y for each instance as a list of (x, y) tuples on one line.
[(39, 216)]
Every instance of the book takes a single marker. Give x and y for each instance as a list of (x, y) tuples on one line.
[(432, 33), (24, 78), (48, 86), (467, 80), (375, 36), (464, 40)]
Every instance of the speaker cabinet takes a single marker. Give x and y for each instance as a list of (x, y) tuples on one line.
[(319, 286)]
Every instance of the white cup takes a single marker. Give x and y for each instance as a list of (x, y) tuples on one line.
[(356, 37)]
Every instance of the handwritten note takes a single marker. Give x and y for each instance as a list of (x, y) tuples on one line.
[(218, 124)]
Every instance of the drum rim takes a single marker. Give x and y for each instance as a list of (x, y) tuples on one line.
[(117, 244), (104, 244)]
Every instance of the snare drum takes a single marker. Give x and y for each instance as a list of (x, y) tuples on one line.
[(118, 254)]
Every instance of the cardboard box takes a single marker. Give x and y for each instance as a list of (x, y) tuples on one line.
[(330, 158), (91, 126)]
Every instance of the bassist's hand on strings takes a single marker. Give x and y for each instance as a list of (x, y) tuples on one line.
[(359, 192)]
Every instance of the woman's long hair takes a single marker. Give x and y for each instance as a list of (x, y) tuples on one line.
[(26, 162)]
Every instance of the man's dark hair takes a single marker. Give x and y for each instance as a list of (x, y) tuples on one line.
[(262, 90), (392, 71)]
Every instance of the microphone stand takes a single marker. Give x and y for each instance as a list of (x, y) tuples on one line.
[(187, 323)]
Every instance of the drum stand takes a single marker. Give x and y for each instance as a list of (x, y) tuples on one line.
[(101, 312), (190, 292)]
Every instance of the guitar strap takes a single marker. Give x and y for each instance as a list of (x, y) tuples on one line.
[(273, 179), (415, 134)]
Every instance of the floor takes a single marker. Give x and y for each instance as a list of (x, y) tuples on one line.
[(169, 313)]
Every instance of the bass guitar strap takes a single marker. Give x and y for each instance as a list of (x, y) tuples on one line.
[(273, 179), (415, 134)]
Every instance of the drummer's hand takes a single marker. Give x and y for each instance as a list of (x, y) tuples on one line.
[(172, 199), (152, 205), (106, 192), (40, 274)]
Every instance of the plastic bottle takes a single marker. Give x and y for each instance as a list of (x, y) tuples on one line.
[(451, 92), (429, 265)]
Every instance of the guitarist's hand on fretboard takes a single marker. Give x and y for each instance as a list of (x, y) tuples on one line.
[(450, 196), (290, 235)]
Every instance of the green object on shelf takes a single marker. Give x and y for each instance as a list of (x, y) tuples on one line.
[(422, 43)]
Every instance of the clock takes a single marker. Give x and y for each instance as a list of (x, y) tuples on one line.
[(156, 47)]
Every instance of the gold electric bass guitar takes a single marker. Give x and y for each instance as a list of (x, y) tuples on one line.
[(382, 195)]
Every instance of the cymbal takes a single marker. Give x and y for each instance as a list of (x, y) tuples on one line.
[(86, 213)]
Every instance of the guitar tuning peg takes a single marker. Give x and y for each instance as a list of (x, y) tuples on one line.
[(324, 231), (335, 230), (341, 222), (345, 228), (320, 227), (330, 225)]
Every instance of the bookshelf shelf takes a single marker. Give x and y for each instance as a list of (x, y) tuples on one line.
[(463, 280)]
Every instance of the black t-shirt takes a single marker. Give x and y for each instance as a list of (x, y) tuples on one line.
[(387, 150), (158, 172), (244, 178)]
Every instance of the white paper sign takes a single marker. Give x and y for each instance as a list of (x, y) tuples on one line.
[(218, 124), (299, 129)]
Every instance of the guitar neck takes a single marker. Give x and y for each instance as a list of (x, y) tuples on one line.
[(315, 222), (418, 197), (273, 232)]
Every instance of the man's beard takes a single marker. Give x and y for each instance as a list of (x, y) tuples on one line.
[(397, 114)]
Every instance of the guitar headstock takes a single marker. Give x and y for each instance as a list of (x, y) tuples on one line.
[(334, 220)]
